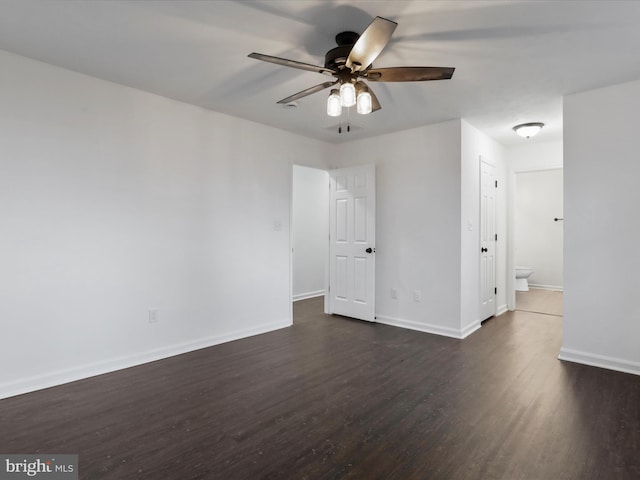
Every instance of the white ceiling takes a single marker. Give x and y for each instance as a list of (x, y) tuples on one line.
[(514, 59)]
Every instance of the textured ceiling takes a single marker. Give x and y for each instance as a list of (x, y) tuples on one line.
[(514, 59)]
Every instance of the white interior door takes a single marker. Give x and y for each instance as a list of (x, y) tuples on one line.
[(488, 240), (352, 231)]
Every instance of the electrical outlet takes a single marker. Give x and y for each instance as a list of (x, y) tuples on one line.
[(417, 295), (153, 315), (394, 293)]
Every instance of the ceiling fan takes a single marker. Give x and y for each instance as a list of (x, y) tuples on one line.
[(351, 62)]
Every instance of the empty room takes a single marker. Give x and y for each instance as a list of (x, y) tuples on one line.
[(319, 239)]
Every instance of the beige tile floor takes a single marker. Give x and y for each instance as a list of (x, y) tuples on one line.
[(540, 301)]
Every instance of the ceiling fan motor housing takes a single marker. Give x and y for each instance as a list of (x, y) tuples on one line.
[(337, 57)]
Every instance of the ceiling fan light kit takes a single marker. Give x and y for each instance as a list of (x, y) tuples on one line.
[(528, 130), (351, 62), (364, 104), (347, 94), (334, 105)]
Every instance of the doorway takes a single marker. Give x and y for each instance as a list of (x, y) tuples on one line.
[(530, 157), (538, 240), (309, 233), (333, 239)]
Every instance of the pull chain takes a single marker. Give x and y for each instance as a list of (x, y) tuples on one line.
[(348, 121)]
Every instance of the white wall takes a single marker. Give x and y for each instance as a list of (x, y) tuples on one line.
[(602, 228), (535, 156), (539, 239), (476, 144), (114, 202), (310, 231)]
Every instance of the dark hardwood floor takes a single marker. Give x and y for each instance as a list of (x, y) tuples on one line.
[(333, 398)]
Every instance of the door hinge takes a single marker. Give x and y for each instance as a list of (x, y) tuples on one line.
[(496, 237), (495, 291), (496, 183)]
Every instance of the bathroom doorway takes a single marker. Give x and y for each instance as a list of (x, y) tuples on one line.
[(538, 240), (535, 200)]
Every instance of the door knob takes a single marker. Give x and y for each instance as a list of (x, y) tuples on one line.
[(483, 250), (369, 250)]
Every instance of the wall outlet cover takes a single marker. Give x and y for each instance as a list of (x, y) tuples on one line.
[(153, 315)]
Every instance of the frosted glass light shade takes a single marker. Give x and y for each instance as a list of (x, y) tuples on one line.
[(348, 94), (364, 103), (528, 129), (334, 107)]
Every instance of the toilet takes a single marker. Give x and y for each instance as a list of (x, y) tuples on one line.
[(522, 273)]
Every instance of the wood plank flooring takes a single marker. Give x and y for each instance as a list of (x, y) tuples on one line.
[(333, 398)]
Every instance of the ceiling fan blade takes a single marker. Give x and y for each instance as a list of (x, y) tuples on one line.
[(370, 44), (292, 63), (409, 74), (375, 104), (308, 91)]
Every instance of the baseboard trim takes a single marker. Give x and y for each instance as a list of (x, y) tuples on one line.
[(502, 309), (305, 296), (556, 288), (594, 360), (427, 328), (469, 329), (60, 377)]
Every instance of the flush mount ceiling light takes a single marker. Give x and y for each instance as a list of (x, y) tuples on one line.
[(528, 130)]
